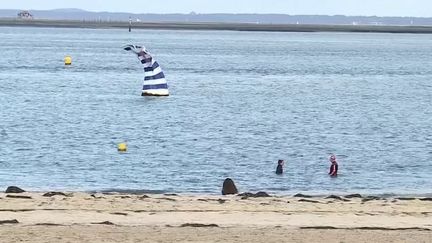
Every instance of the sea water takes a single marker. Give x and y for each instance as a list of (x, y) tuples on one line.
[(239, 102)]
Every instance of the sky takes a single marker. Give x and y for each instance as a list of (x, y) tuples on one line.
[(414, 8)]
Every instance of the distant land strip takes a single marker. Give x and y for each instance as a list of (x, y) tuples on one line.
[(216, 26)]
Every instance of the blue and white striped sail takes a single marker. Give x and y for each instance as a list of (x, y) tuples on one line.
[(155, 83)]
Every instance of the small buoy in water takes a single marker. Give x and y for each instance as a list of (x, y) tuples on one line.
[(122, 147), (68, 60)]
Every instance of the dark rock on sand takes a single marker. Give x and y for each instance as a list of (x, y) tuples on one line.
[(14, 189), (246, 195), (166, 198), (199, 225), (229, 188), (406, 198), (48, 224), (96, 197), (337, 198), (262, 194), (105, 223), (391, 229), (143, 197), (308, 201), (426, 199), (370, 198), (353, 196), (334, 197), (302, 195), (366, 228), (319, 227), (51, 194), (13, 221), (18, 197)]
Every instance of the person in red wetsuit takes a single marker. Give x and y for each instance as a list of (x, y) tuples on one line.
[(334, 166)]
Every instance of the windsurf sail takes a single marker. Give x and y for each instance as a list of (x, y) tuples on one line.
[(155, 83)]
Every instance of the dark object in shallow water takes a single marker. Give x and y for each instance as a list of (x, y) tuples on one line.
[(229, 188), (279, 168), (14, 189)]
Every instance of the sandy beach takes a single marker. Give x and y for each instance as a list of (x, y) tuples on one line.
[(86, 217)]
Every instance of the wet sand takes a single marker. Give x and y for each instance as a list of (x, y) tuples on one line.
[(84, 217), (218, 26)]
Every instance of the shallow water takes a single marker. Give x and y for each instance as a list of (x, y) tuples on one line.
[(240, 101)]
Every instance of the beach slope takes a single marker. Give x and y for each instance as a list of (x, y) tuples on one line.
[(84, 217)]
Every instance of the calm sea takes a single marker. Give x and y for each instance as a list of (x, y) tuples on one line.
[(239, 102)]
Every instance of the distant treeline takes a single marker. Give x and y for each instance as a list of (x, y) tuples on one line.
[(77, 14)]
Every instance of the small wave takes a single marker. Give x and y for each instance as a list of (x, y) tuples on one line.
[(3, 133), (24, 149)]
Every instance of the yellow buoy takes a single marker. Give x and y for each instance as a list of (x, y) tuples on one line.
[(122, 147), (68, 60)]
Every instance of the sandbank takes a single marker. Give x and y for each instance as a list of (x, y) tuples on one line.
[(12, 22)]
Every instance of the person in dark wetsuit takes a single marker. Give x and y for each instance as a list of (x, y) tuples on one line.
[(334, 166), (279, 168)]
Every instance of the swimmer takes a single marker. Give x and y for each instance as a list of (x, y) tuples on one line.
[(334, 166), (279, 168)]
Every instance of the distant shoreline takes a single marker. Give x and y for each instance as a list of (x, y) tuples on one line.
[(5, 22)]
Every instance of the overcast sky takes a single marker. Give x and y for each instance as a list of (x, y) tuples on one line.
[(418, 8)]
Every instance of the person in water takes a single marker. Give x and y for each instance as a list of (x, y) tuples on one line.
[(334, 166), (279, 168)]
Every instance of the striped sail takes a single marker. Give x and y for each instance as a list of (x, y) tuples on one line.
[(155, 83)]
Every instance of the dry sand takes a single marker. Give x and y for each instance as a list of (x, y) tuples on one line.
[(82, 217)]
